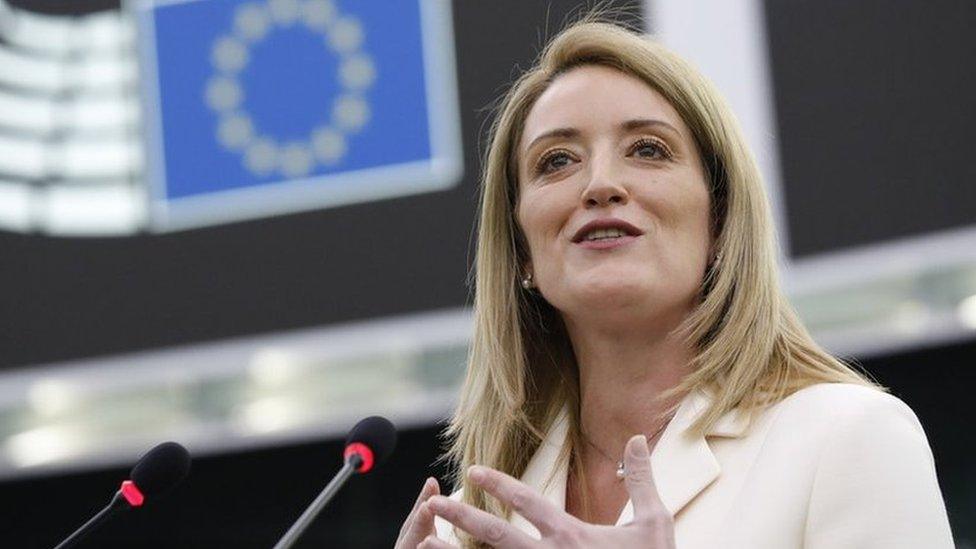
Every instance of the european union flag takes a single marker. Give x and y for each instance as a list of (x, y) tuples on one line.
[(258, 107)]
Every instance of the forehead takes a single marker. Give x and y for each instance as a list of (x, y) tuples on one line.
[(596, 98)]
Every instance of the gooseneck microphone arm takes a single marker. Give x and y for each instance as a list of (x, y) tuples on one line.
[(353, 463), (113, 508), (157, 472), (370, 442)]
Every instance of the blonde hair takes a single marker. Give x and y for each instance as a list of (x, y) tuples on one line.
[(751, 349)]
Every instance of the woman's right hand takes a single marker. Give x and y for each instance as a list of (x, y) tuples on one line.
[(420, 521)]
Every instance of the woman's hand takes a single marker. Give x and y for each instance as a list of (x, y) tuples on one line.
[(420, 521), (652, 526)]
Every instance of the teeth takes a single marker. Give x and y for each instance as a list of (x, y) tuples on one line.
[(601, 234)]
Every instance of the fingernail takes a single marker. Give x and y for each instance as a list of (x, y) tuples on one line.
[(476, 473), (639, 449)]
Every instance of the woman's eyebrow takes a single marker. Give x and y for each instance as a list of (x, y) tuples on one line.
[(564, 133), (643, 123), (628, 126)]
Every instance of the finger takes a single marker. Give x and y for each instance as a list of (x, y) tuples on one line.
[(479, 524), (640, 480), (429, 488), (433, 542), (520, 497), (420, 527)]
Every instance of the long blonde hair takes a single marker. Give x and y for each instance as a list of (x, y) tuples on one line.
[(751, 349)]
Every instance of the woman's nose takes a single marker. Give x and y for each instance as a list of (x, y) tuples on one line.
[(603, 189)]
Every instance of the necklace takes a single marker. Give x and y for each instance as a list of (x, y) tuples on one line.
[(621, 472)]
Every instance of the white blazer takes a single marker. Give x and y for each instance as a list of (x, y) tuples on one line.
[(833, 466)]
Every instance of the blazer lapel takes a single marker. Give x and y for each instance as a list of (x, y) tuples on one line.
[(683, 464)]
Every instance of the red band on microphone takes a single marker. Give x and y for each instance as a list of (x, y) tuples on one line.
[(132, 494), (364, 453)]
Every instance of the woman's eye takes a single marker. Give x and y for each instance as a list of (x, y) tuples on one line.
[(553, 161), (651, 148)]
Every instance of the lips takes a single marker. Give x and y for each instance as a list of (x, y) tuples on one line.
[(606, 223)]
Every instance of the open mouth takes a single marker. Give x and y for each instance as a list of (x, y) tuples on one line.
[(605, 230), (603, 234)]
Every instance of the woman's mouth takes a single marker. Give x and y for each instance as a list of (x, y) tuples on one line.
[(606, 242), (602, 234)]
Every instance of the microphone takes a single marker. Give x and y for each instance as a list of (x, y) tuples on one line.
[(156, 473), (369, 443)]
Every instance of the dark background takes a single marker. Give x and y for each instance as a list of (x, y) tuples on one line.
[(875, 117), (872, 101)]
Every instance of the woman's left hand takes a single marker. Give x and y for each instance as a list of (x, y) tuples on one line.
[(652, 526)]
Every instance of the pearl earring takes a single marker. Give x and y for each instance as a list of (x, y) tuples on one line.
[(717, 262), (527, 281)]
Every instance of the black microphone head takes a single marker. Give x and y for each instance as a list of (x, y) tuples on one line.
[(161, 469), (377, 434)]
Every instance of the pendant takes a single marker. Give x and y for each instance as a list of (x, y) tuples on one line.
[(621, 473)]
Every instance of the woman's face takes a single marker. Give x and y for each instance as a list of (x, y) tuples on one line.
[(612, 199)]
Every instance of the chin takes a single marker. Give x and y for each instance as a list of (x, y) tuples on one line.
[(609, 293), (620, 298)]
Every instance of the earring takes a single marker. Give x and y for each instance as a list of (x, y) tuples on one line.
[(527, 281), (711, 273), (716, 263)]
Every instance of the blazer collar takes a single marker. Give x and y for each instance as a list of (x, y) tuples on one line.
[(683, 464)]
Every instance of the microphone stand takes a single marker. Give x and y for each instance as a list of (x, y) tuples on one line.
[(117, 504), (304, 521)]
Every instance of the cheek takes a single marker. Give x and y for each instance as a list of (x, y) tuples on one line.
[(527, 225), (541, 221), (698, 230), (684, 221), (701, 213)]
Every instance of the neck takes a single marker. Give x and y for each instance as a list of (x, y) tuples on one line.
[(621, 374)]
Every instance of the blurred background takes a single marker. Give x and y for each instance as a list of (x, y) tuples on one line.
[(243, 225)]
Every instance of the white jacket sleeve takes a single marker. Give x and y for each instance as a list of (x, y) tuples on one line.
[(875, 485)]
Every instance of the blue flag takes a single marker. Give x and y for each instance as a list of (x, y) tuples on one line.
[(260, 107)]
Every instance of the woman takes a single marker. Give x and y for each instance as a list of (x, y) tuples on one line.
[(634, 362)]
